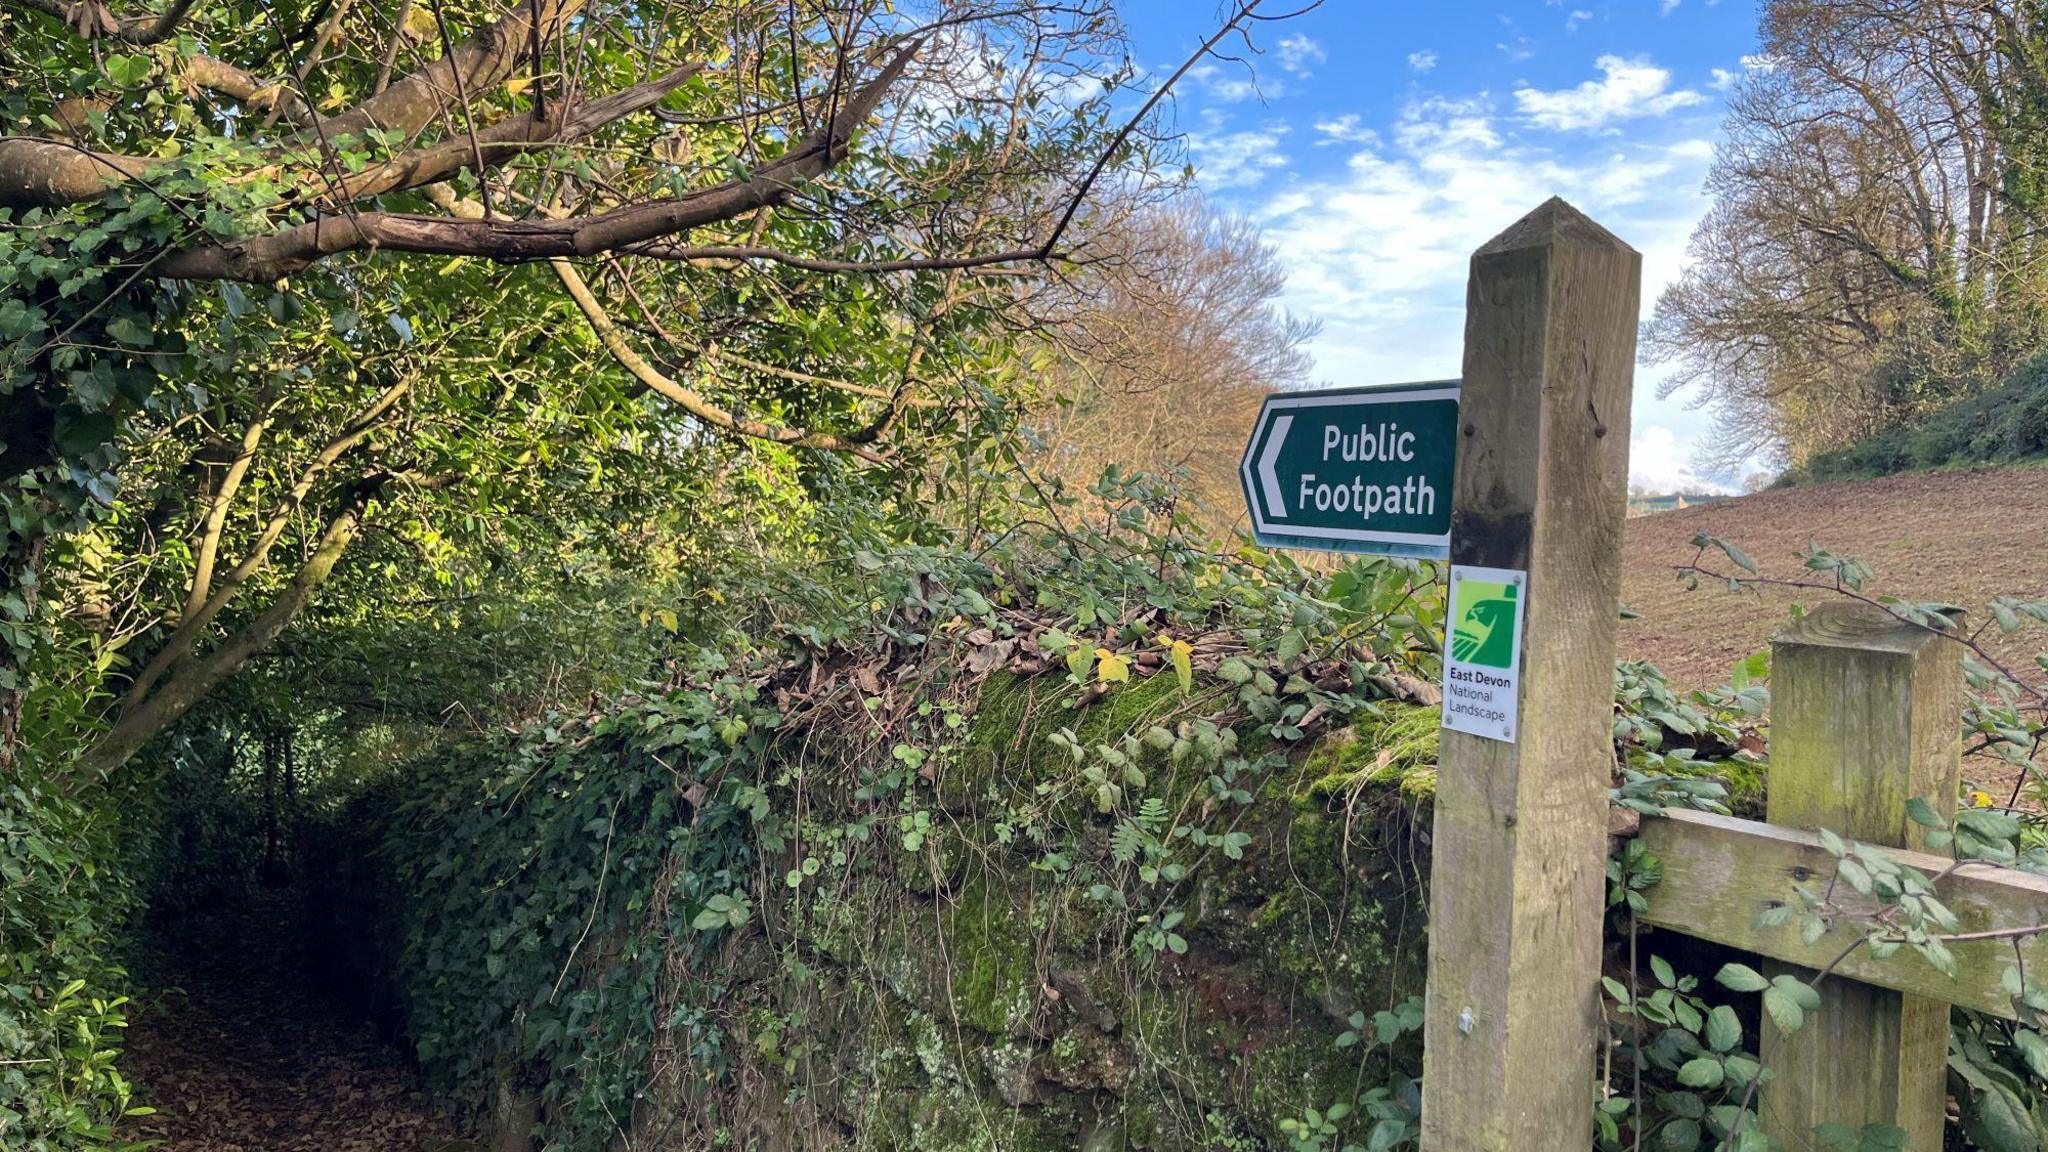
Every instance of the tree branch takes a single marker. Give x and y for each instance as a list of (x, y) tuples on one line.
[(266, 258), (688, 399), (504, 140), (90, 19), (179, 645), (47, 174), (137, 726)]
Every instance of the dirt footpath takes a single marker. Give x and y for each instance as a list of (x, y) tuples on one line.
[(248, 1057)]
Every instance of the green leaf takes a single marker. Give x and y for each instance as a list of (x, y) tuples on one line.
[(79, 433), (1783, 1009), (1923, 813), (1996, 1120), (1701, 1072), (1680, 1136), (1292, 645), (2033, 1048), (1988, 825), (1724, 1028), (1741, 978), (1661, 969)]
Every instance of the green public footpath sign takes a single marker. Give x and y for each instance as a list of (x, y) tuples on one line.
[(1355, 469)]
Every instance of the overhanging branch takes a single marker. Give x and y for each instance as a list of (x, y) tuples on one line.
[(267, 258)]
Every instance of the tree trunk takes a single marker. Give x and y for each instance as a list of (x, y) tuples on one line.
[(193, 680)]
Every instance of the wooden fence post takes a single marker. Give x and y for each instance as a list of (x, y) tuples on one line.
[(1865, 715), (1517, 884)]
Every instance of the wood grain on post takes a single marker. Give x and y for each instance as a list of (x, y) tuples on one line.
[(1866, 714), (1518, 876)]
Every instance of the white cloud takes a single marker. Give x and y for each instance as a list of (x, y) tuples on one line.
[(1628, 89), (1667, 7), (1694, 150), (1239, 159), (1661, 461), (1231, 86), (1379, 251), (1422, 61), (1725, 78), (1578, 16), (1517, 46), (1345, 129), (1298, 52)]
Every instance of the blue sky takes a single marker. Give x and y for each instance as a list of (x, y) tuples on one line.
[(1379, 143)]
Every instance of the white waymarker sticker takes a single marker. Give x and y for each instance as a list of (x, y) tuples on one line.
[(1483, 670)]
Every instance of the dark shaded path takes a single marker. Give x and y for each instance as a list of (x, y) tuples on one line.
[(250, 1058)]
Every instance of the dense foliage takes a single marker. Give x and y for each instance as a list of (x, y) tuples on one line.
[(2006, 425), (65, 889)]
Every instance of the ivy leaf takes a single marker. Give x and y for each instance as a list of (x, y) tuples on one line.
[(1112, 668), (131, 333)]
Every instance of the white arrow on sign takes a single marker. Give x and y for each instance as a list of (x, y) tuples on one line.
[(1269, 477)]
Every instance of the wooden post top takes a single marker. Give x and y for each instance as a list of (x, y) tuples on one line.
[(1553, 223), (1864, 627)]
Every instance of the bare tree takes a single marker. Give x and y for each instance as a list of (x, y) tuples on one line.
[(1169, 354), (1873, 250)]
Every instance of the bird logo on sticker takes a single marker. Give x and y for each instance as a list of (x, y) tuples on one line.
[(1485, 630)]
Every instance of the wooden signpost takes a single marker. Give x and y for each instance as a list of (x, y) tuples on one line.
[(1866, 716), (1537, 469), (1518, 881)]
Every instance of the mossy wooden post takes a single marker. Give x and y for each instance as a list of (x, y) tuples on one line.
[(1865, 715), (1518, 875)]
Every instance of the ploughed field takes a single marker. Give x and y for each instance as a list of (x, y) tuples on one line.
[(1958, 537), (1961, 537)]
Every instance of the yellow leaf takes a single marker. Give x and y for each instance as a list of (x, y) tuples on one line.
[(519, 84), (1111, 668), (1183, 664), (1981, 799), (667, 616), (419, 23)]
